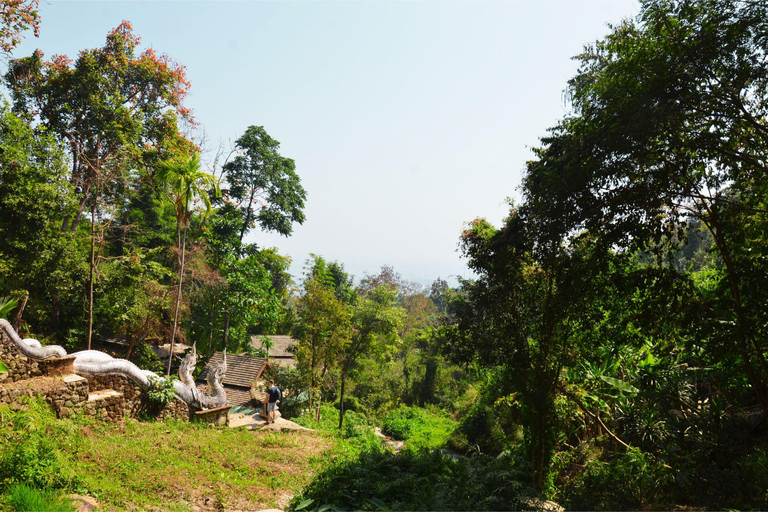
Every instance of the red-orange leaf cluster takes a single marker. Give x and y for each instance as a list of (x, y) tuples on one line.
[(16, 16)]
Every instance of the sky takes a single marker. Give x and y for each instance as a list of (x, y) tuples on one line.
[(406, 119)]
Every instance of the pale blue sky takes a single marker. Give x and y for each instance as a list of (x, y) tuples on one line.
[(406, 118)]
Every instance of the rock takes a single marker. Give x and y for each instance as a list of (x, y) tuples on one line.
[(540, 505), (83, 503)]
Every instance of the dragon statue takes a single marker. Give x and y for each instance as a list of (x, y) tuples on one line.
[(218, 396), (94, 362)]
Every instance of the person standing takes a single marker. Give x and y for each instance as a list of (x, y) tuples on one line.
[(273, 395)]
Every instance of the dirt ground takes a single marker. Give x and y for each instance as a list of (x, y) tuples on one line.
[(256, 422)]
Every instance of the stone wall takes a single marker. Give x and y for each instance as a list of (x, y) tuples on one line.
[(65, 394), (107, 397), (134, 399), (20, 367)]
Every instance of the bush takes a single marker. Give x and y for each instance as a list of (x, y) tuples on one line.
[(30, 453), (351, 403), (418, 427), (161, 390), (418, 480), (357, 432), (21, 497), (634, 480)]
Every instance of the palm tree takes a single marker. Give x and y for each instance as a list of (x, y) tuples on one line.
[(184, 183)]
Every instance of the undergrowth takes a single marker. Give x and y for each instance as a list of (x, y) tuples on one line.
[(418, 480), (418, 427), (167, 465), (23, 497)]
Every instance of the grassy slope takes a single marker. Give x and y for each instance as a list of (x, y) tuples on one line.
[(168, 465), (175, 465)]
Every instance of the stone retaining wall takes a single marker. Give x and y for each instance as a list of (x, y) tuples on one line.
[(70, 393), (134, 399), (20, 367), (65, 394)]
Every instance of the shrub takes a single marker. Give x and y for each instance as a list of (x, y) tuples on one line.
[(357, 431), (161, 391), (30, 453), (634, 480), (417, 480), (351, 404), (22, 497), (399, 423), (420, 428)]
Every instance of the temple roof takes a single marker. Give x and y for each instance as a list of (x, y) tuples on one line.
[(242, 371)]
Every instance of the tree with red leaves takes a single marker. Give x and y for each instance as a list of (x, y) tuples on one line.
[(16, 16), (116, 110)]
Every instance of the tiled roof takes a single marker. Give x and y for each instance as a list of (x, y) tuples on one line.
[(242, 371), (238, 396), (280, 349), (235, 395)]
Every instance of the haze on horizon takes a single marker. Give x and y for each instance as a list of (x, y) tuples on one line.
[(405, 119)]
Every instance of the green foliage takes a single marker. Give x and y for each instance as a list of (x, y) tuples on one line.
[(161, 390), (23, 498), (32, 453), (750, 472), (635, 480), (264, 185), (35, 196), (417, 480), (419, 427), (7, 305), (357, 429)]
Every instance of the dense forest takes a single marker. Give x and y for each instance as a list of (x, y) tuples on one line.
[(610, 352)]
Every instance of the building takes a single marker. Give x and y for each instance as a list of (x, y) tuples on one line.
[(280, 353), (241, 380)]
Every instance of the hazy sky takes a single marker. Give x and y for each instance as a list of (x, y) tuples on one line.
[(406, 118)]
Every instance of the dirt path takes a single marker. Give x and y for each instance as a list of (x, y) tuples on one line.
[(255, 421), (392, 443)]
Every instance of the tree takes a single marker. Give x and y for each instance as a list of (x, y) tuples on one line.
[(376, 319), (111, 106), (670, 127), (523, 315), (35, 257), (114, 110), (323, 329), (16, 16), (184, 183), (264, 185)]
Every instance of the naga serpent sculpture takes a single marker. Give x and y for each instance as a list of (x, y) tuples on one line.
[(94, 362), (218, 396)]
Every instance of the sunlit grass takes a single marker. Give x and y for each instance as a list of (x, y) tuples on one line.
[(177, 465)]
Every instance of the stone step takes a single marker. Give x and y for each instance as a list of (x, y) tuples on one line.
[(103, 394)]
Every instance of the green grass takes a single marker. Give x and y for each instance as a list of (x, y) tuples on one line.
[(188, 463), (356, 436), (171, 465), (419, 428), (22, 497)]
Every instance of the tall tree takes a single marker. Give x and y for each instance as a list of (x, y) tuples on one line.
[(184, 183), (36, 258), (264, 185), (17, 16), (670, 125), (323, 329), (376, 320), (114, 109)]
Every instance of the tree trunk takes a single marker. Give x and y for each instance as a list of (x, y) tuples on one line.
[(743, 341), (178, 303), (226, 327), (341, 399), (90, 279), (17, 322)]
